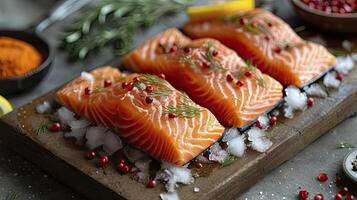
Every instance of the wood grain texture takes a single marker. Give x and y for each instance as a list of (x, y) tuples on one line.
[(65, 161)]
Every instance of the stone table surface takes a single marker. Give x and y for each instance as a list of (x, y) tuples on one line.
[(19, 176)]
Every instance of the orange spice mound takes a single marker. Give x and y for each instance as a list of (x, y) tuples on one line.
[(17, 58)]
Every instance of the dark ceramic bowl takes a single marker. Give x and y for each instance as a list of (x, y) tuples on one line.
[(21, 83), (331, 22)]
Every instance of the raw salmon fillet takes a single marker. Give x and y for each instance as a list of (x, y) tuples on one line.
[(270, 43), (122, 107), (210, 73)]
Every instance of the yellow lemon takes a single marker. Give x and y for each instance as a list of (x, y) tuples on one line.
[(205, 12), (5, 106)]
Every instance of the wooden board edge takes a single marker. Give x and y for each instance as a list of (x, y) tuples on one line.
[(53, 165)]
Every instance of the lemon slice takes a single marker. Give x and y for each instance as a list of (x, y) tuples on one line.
[(205, 12), (5, 106)]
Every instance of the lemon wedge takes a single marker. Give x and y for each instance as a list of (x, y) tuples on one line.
[(5, 106), (205, 12)]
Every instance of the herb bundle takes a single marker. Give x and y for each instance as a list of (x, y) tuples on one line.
[(115, 22)]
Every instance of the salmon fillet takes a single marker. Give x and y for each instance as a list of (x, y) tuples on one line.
[(270, 43), (211, 74), (170, 128)]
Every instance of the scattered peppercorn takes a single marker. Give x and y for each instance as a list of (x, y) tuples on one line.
[(55, 127)]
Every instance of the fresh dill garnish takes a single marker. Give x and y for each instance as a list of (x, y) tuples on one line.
[(99, 90), (215, 65), (346, 145), (115, 22), (186, 108), (259, 28), (42, 128), (264, 29), (228, 160), (269, 135), (287, 46), (13, 196), (299, 29), (188, 59), (236, 18), (162, 88), (336, 52), (251, 68)]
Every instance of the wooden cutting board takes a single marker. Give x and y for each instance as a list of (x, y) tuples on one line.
[(66, 162)]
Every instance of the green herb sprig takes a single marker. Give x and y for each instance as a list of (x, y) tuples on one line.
[(215, 65), (13, 196), (251, 68), (259, 28), (162, 88), (228, 160), (185, 108), (336, 52), (299, 29), (42, 128), (115, 22), (288, 46)]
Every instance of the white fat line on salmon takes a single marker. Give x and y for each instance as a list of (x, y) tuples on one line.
[(151, 48), (215, 83)]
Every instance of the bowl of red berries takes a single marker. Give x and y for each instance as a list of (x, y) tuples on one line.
[(329, 15)]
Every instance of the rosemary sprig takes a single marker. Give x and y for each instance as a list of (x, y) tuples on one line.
[(162, 87), (185, 108), (42, 128), (115, 22), (13, 196), (228, 160), (346, 145)]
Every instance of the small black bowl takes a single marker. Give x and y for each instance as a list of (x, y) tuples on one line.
[(26, 81)]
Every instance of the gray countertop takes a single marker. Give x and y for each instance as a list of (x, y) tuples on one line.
[(18, 175)]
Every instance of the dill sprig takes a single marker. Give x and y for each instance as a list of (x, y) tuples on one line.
[(13, 196), (228, 160), (186, 108), (188, 59), (251, 68), (215, 65), (115, 22), (336, 52), (299, 29), (42, 128), (269, 135), (287, 46), (260, 28), (264, 29), (162, 87), (99, 90)]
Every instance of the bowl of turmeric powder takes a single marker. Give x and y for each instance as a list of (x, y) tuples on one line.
[(25, 59)]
